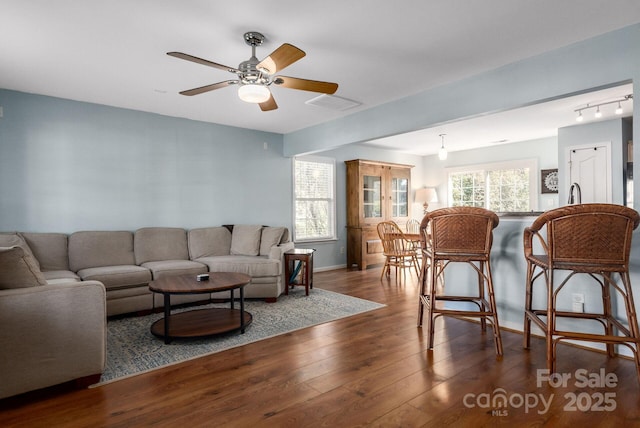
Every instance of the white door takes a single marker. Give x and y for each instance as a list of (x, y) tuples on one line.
[(589, 166)]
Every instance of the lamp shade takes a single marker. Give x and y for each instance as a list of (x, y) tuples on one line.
[(426, 195), (254, 93)]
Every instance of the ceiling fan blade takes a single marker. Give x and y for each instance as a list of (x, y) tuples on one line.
[(306, 85), (207, 88), (270, 104), (202, 61), (282, 57)]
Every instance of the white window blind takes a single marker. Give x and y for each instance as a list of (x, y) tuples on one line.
[(314, 199)]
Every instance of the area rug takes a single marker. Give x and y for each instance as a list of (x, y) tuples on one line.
[(132, 349)]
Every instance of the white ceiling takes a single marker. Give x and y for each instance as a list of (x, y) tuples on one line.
[(113, 52)]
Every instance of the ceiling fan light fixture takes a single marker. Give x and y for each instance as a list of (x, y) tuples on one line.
[(255, 94)]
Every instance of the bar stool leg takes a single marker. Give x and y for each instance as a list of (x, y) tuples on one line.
[(482, 279), (606, 306), (551, 324), (493, 308), (422, 281), (431, 304), (528, 306), (632, 319)]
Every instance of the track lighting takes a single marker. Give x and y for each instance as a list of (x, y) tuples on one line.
[(442, 153), (598, 112)]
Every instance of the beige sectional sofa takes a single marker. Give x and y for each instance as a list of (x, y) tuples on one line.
[(56, 290), (126, 261)]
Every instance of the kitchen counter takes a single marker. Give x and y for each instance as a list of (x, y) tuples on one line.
[(519, 214)]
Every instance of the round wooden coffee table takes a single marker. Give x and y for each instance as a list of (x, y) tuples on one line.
[(200, 322)]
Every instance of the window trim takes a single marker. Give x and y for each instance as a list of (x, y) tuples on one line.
[(531, 163), (333, 204)]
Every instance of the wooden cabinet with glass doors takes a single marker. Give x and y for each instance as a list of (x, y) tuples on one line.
[(376, 192)]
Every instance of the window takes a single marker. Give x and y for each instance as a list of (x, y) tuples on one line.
[(501, 187), (314, 185)]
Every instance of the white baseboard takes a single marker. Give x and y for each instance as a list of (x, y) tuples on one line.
[(326, 268)]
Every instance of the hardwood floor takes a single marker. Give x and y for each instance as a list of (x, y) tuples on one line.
[(367, 370)]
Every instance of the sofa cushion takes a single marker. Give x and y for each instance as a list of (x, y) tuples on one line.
[(100, 248), (174, 267), (151, 244), (251, 265), (270, 236), (60, 276), (51, 249), (114, 277), (15, 240), (209, 241), (245, 240), (18, 269)]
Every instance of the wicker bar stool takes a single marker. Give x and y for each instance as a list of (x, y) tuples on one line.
[(458, 235), (591, 241)]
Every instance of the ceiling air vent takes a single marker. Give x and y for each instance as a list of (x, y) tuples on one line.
[(332, 102)]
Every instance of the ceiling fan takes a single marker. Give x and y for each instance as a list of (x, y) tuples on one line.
[(255, 77)]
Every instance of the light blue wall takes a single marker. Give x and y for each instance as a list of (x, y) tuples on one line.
[(608, 131), (68, 166)]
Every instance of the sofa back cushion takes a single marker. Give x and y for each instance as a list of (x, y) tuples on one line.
[(100, 248), (285, 236), (271, 236), (16, 240), (18, 269), (209, 242), (50, 249), (245, 240), (152, 244)]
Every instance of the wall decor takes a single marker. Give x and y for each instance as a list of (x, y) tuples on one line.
[(549, 180)]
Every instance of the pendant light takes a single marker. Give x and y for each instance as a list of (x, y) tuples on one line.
[(442, 153)]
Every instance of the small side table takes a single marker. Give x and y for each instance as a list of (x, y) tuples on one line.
[(304, 257)]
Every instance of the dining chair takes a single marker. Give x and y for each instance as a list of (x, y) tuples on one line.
[(581, 247), (413, 226), (397, 249), (413, 234), (453, 236)]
